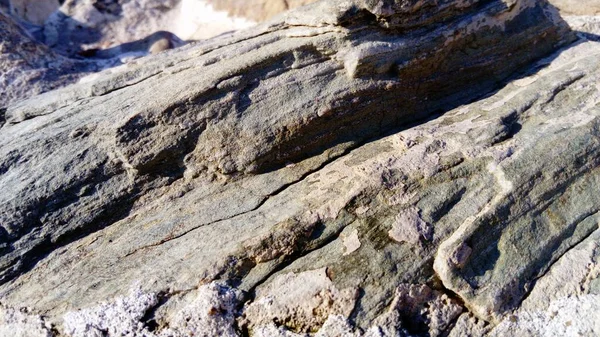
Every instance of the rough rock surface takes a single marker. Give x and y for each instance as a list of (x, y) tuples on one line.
[(268, 182)]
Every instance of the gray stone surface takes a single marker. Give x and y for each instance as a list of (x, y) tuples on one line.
[(270, 183)]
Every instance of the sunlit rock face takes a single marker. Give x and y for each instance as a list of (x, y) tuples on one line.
[(348, 168), (577, 7), (93, 35)]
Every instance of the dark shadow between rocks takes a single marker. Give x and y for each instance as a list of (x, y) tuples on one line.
[(118, 210), (588, 36)]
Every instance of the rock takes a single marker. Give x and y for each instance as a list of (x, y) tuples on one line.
[(122, 316), (588, 27), (153, 44), (237, 126), (5, 6), (29, 68), (565, 317), (577, 7), (257, 10), (513, 261), (565, 301), (299, 178), (300, 302), (33, 11), (81, 25), (20, 323)]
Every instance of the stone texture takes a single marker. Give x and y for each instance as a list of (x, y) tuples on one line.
[(300, 302), (299, 178), (20, 323), (82, 25), (226, 121)]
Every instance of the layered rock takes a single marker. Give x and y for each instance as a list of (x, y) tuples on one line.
[(259, 182)]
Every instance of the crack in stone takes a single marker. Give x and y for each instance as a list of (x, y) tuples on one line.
[(258, 206)]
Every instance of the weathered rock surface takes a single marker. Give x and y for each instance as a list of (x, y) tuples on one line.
[(226, 188)]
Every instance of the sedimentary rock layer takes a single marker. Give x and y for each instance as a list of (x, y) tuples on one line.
[(269, 182), (217, 109)]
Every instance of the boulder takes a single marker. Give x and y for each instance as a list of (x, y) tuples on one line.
[(351, 168)]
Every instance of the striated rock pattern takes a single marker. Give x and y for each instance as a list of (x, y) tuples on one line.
[(300, 179)]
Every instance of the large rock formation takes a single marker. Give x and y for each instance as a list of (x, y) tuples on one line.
[(270, 182)]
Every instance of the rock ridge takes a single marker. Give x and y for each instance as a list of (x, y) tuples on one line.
[(298, 179)]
